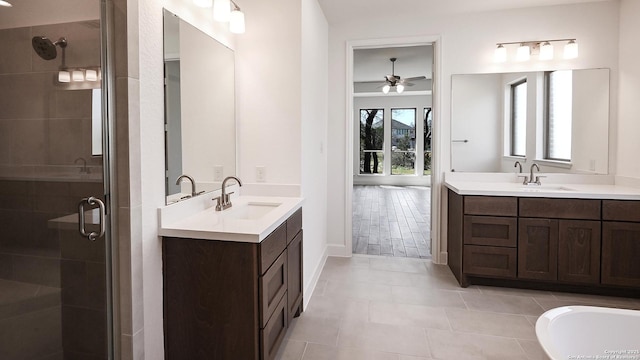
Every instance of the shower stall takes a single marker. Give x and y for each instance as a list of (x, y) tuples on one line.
[(55, 188)]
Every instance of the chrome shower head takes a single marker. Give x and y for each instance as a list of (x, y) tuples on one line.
[(45, 48)]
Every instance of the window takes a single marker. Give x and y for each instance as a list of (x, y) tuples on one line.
[(403, 141), (372, 141), (519, 118), (428, 119), (558, 115)]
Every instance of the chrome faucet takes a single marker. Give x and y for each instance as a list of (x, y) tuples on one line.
[(517, 164), (223, 200), (84, 168), (193, 183)]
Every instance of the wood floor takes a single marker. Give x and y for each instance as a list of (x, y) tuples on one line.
[(392, 221)]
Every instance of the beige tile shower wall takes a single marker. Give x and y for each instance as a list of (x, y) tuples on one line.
[(41, 122)]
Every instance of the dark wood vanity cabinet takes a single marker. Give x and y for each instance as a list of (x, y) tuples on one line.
[(567, 242), (232, 300), (621, 243)]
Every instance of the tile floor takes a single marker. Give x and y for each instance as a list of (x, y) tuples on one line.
[(392, 220), (378, 308)]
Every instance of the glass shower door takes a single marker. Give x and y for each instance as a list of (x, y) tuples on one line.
[(54, 281)]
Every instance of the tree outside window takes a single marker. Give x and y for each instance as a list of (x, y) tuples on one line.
[(372, 141)]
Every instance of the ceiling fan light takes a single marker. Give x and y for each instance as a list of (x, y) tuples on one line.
[(399, 88), (386, 88)]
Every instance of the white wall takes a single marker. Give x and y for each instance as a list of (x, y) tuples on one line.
[(467, 46), (151, 140), (629, 107), (314, 107)]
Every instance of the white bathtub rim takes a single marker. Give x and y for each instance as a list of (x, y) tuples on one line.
[(545, 321)]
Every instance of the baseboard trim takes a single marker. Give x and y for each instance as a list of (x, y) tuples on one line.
[(443, 258), (308, 291), (337, 250)]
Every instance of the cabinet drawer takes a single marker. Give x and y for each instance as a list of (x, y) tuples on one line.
[(493, 231), (273, 284), (560, 208), (272, 335), (272, 247), (621, 210), (294, 224), (490, 261), (491, 205)]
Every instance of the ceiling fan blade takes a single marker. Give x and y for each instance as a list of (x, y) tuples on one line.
[(415, 78)]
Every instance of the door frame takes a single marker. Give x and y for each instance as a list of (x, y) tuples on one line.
[(351, 46)]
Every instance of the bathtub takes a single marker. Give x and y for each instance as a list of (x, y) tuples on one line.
[(589, 332)]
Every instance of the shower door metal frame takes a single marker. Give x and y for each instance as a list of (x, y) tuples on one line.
[(107, 37)]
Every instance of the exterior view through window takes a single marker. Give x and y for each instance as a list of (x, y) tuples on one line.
[(428, 120), (558, 116), (519, 118), (372, 141), (403, 141)]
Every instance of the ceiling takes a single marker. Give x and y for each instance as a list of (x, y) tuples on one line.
[(337, 11), (374, 64)]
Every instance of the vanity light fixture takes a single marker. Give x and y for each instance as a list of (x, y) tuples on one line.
[(523, 53), (5, 3), (77, 75), (236, 20), (64, 76), (542, 48), (91, 75)]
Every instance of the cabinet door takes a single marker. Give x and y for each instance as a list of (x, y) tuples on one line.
[(538, 249), (294, 281), (620, 249), (579, 251), (273, 333)]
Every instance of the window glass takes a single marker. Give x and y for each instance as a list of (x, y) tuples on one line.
[(371, 141), (559, 113), (428, 118), (403, 141), (519, 118)]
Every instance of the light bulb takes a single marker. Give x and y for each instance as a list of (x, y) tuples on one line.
[(5, 3), (203, 3), (77, 75), (571, 50), (546, 51), (91, 75), (399, 88), (524, 52), (386, 88), (221, 10), (236, 22), (64, 76), (500, 54)]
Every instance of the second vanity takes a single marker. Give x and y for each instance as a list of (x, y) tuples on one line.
[(563, 235), (232, 279)]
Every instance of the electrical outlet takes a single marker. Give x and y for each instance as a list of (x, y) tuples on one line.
[(218, 172), (261, 175)]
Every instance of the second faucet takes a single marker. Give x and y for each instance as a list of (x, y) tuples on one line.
[(224, 201)]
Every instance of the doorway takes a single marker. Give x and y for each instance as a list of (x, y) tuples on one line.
[(55, 248), (390, 161)]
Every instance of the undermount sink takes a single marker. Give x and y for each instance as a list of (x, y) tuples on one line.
[(251, 210), (545, 188)]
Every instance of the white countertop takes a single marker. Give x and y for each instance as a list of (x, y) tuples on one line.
[(208, 224), (558, 187)]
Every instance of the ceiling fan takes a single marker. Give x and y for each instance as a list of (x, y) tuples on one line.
[(397, 81)]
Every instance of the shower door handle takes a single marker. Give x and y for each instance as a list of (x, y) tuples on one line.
[(81, 222)]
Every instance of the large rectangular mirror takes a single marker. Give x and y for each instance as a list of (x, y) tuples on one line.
[(200, 128), (557, 119)]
